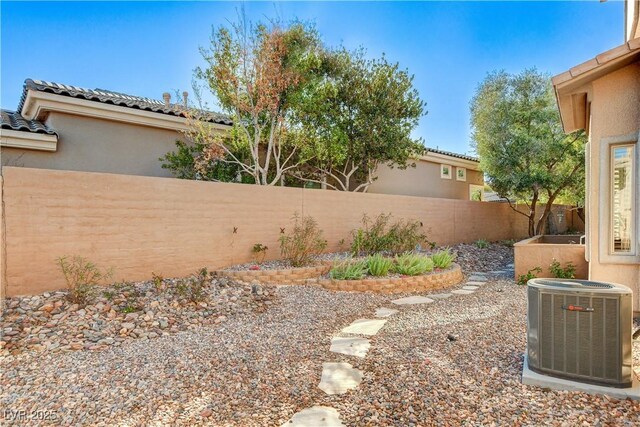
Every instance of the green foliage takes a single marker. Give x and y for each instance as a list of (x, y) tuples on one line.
[(482, 244), (508, 242), (303, 243), (524, 153), (384, 236), (568, 272), (183, 164), (442, 259), (158, 282), (378, 265), (358, 116), (411, 264), (348, 270), (259, 252), (194, 287), (130, 293), (531, 274), (82, 278)]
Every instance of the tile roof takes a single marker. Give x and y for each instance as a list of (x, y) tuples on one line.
[(450, 154), (14, 121), (113, 98)]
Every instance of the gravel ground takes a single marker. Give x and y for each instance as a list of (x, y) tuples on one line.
[(279, 264), (259, 368)]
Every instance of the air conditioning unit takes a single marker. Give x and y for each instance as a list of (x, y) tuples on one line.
[(580, 330)]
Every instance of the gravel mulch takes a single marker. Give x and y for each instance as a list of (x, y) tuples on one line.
[(471, 258)]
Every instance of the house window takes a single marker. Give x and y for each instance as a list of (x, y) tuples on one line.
[(461, 174), (445, 171), (622, 172)]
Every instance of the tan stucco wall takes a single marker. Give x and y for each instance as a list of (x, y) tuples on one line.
[(530, 253), (615, 111), (96, 145), (423, 181), (140, 225)]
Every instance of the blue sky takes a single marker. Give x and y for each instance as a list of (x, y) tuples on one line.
[(148, 48)]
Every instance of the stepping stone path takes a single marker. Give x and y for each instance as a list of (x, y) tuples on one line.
[(385, 312), (339, 377), (412, 300), (321, 416), (350, 346), (364, 327)]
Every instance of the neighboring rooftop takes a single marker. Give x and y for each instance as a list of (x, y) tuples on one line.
[(12, 120), (450, 154), (113, 98)]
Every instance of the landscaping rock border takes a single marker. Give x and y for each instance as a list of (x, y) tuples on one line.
[(299, 275), (390, 285)]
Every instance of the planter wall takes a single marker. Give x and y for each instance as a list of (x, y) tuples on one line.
[(298, 275), (435, 280)]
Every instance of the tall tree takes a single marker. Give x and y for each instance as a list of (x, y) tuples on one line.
[(358, 117), (257, 73), (524, 153)]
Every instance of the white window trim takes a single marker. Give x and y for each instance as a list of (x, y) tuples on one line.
[(606, 255), (464, 174), (443, 175), (28, 140)]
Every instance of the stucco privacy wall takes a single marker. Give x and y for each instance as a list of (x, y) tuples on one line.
[(139, 225), (97, 145)]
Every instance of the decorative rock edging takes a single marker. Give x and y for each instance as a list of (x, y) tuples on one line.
[(426, 282), (299, 275)]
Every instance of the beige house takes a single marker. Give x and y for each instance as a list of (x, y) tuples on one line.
[(436, 173), (602, 96), (65, 127)]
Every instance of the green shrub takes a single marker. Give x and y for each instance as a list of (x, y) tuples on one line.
[(382, 235), (303, 243), (568, 272), (259, 252), (508, 243), (482, 244), (158, 282), (379, 265), (442, 259), (82, 277), (410, 264), (194, 287), (531, 274), (348, 270)]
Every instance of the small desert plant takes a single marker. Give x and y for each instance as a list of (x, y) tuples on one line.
[(382, 235), (158, 281), (442, 259), (508, 243), (82, 277), (568, 272), (531, 274), (378, 265), (130, 293), (410, 264), (482, 244), (348, 270), (259, 252), (194, 287), (303, 243)]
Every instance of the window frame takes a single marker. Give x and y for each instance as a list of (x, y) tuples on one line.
[(464, 174), (605, 199), (442, 174)]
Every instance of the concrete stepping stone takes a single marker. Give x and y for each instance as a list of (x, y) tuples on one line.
[(478, 273), (385, 312), (338, 378), (462, 292), (364, 327), (470, 288), (412, 300), (475, 283), (440, 296), (478, 278), (320, 416), (351, 346)]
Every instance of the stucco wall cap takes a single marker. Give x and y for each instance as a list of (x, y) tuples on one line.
[(614, 53), (584, 67)]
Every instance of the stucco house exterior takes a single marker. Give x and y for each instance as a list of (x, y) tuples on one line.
[(63, 127), (58, 126), (602, 96), (436, 173)]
